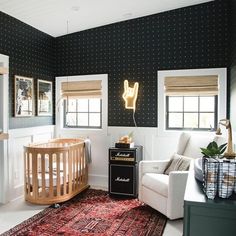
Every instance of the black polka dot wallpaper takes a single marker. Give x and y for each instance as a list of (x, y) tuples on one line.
[(191, 37), (31, 54)]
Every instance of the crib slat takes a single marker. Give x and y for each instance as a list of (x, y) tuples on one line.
[(50, 175), (26, 171), (72, 174), (43, 175), (70, 171), (58, 174), (80, 166), (74, 169), (29, 171), (64, 171), (34, 175), (77, 168)]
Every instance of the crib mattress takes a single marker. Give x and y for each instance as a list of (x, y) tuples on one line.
[(54, 178)]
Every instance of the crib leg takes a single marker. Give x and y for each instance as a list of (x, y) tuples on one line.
[(55, 205)]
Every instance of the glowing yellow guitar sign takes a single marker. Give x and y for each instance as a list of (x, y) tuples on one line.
[(130, 95)]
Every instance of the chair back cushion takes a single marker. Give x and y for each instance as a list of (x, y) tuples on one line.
[(195, 143), (183, 141), (220, 139)]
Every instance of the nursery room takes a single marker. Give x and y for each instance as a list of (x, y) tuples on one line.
[(118, 117)]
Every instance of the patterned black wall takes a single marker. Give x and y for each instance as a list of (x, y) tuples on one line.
[(31, 54), (192, 37), (232, 70)]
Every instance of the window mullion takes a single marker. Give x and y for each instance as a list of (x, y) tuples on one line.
[(167, 111)]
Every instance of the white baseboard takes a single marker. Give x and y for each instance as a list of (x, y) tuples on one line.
[(98, 181)]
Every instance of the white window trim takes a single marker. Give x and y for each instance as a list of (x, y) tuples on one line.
[(59, 103), (222, 98), (4, 120)]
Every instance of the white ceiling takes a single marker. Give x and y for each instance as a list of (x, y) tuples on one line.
[(51, 16)]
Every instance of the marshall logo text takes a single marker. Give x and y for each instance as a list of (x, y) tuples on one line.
[(119, 179), (120, 154)]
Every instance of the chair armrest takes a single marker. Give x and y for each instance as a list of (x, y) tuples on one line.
[(177, 180), (176, 190), (157, 166)]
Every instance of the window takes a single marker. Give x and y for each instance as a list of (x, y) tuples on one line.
[(83, 112), (81, 103), (191, 112), (191, 102), (193, 99)]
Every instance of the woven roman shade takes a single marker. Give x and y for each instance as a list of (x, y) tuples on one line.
[(82, 89), (191, 85)]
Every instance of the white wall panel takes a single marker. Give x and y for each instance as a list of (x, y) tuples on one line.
[(17, 139), (16, 165)]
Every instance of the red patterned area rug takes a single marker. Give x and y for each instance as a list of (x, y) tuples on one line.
[(93, 212)]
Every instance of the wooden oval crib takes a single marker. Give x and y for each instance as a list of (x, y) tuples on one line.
[(55, 171)]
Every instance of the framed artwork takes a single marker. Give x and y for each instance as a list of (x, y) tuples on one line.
[(44, 97), (24, 88)]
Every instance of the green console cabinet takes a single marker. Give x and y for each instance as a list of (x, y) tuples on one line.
[(205, 217)]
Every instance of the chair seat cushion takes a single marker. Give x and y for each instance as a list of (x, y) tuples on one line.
[(156, 182)]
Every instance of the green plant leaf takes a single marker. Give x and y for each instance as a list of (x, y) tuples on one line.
[(222, 151), (222, 146), (206, 152), (213, 149), (214, 145), (209, 146)]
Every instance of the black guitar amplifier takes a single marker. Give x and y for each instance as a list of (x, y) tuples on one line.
[(122, 155), (123, 170)]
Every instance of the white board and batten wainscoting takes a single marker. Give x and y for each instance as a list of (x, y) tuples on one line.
[(17, 139), (14, 168)]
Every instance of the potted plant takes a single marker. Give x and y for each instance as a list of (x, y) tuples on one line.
[(213, 150)]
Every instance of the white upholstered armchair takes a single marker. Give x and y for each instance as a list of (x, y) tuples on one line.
[(165, 193)]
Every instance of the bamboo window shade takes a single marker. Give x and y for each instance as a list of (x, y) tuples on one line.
[(191, 85), (82, 89)]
